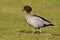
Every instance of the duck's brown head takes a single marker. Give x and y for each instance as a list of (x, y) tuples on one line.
[(28, 9)]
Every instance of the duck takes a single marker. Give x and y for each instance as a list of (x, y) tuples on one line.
[(37, 22)]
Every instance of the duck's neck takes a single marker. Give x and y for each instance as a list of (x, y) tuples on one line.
[(27, 15)]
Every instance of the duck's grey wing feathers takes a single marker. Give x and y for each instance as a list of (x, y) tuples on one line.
[(42, 18)]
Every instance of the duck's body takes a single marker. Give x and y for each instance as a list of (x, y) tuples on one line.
[(34, 20)]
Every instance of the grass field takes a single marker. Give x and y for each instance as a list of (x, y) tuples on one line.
[(14, 27)]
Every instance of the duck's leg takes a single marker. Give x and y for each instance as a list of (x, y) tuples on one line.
[(39, 29), (34, 30)]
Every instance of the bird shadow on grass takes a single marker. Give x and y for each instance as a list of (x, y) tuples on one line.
[(53, 34), (23, 31)]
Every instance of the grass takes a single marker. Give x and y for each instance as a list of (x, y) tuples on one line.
[(14, 27)]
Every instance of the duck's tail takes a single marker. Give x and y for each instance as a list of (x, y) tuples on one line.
[(51, 24), (48, 25)]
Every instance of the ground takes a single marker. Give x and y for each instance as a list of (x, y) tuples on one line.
[(14, 27)]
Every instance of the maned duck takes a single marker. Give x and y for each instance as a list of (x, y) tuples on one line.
[(36, 21)]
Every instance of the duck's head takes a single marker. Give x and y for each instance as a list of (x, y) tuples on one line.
[(28, 9)]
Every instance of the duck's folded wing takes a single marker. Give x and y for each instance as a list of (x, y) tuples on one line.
[(46, 22), (42, 18)]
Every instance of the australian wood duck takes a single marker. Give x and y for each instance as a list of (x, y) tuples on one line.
[(36, 21)]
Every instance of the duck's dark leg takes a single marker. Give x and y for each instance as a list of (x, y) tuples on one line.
[(39, 29), (34, 30)]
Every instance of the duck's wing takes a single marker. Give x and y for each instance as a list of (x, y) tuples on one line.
[(47, 23), (42, 18)]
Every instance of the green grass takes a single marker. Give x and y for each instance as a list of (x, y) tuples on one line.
[(14, 27)]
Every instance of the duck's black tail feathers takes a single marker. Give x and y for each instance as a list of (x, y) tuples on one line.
[(48, 25), (51, 24)]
